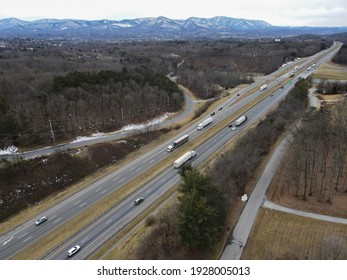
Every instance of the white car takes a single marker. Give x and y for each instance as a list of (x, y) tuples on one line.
[(73, 250), (41, 220), (139, 200)]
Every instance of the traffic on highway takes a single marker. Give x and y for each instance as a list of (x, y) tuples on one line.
[(238, 112)]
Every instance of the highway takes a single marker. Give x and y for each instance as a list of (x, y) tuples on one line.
[(93, 236)]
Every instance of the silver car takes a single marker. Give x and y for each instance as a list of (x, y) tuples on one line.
[(41, 220)]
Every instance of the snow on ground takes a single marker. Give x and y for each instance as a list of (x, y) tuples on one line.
[(129, 127), (9, 150), (84, 138), (14, 150), (153, 122)]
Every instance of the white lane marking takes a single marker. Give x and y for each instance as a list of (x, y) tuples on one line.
[(84, 203), (138, 169), (57, 220), (8, 240), (151, 161), (115, 179), (109, 221), (99, 189), (105, 190), (84, 240), (148, 191), (131, 169), (53, 217), (19, 237), (25, 240), (121, 180), (77, 202)]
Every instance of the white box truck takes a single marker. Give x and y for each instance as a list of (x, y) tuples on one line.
[(205, 123), (178, 142), (240, 120), (183, 159)]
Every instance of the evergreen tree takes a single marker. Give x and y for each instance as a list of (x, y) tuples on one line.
[(201, 212)]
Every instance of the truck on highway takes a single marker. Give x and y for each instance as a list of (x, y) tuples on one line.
[(178, 142), (205, 123), (240, 120), (183, 159), (263, 87)]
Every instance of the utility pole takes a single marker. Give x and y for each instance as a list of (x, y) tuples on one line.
[(52, 133), (122, 115)]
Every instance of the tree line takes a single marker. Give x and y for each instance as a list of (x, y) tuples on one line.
[(317, 163), (331, 87), (341, 56)]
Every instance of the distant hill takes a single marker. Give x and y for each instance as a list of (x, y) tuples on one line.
[(151, 28)]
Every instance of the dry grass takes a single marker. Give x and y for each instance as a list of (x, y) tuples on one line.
[(330, 71), (278, 235)]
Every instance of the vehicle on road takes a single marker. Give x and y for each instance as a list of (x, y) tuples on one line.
[(41, 220), (180, 141), (138, 200), (240, 120), (183, 159), (205, 123), (73, 250), (263, 87), (213, 113)]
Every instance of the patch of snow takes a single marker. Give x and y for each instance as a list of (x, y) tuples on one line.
[(153, 122), (84, 138), (123, 25), (10, 150), (244, 197)]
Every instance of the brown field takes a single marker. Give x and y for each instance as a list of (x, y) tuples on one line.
[(330, 71), (278, 235)]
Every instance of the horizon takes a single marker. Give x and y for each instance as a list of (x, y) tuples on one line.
[(312, 13), (153, 17)]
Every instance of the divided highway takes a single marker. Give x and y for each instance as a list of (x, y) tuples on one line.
[(94, 235)]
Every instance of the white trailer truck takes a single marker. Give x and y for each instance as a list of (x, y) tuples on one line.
[(240, 120), (205, 123), (183, 159), (178, 142), (263, 87)]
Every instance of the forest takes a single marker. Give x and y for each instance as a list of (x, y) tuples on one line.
[(341, 56), (84, 87)]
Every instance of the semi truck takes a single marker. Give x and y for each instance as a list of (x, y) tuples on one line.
[(240, 120), (205, 123), (183, 159), (263, 87), (178, 142)]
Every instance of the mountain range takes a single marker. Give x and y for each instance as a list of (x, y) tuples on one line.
[(151, 28)]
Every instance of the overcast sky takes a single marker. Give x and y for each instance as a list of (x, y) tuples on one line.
[(280, 12)]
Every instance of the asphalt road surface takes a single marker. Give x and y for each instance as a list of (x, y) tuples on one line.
[(92, 236)]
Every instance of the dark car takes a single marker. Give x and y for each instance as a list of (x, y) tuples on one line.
[(213, 113)]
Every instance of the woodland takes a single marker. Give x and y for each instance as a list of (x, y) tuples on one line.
[(83, 87)]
